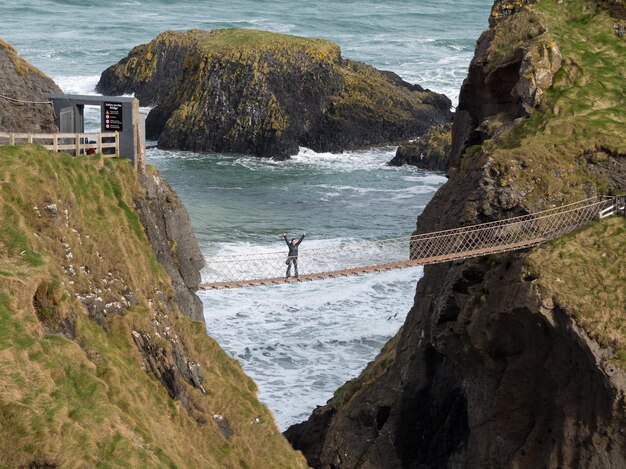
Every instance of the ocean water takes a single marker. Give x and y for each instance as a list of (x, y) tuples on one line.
[(299, 342)]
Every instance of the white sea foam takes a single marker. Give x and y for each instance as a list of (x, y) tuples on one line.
[(77, 84), (302, 341), (427, 179), (279, 27), (407, 191)]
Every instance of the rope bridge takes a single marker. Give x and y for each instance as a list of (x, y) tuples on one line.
[(344, 260)]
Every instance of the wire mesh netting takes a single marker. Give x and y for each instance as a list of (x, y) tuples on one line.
[(428, 248)]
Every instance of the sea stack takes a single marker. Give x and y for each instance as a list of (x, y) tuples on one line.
[(267, 94), (429, 151)]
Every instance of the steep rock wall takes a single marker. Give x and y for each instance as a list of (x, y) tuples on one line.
[(501, 363), (266, 94), (168, 227)]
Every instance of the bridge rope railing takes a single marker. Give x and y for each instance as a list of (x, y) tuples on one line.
[(419, 249)]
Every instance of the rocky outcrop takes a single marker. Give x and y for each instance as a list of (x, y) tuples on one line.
[(503, 9), (501, 363), (22, 104), (487, 373), (617, 8), (168, 227), (430, 151), (266, 94), (514, 62), (542, 59), (23, 107)]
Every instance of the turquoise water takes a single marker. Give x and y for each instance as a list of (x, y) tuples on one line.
[(299, 342), (426, 41)]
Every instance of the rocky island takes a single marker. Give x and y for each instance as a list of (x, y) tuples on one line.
[(515, 360), (267, 94)]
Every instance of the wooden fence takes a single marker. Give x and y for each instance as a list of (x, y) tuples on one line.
[(105, 143)]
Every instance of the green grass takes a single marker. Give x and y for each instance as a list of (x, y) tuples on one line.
[(585, 273), (9, 329), (88, 401), (15, 241), (583, 111), (218, 40)]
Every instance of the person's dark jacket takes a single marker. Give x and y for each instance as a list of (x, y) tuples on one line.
[(293, 248)]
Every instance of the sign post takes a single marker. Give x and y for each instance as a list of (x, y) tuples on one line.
[(113, 117)]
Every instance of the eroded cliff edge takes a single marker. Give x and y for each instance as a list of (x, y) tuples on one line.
[(266, 94), (514, 360)]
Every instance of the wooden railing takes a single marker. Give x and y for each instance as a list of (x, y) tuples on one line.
[(105, 143)]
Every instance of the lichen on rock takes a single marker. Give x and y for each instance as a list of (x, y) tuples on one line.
[(503, 9), (267, 94), (542, 59)]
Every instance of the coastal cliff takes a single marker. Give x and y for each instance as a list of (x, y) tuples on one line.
[(104, 356), (169, 231), (101, 362), (22, 86), (267, 94), (512, 360)]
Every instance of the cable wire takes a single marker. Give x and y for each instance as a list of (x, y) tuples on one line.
[(20, 101)]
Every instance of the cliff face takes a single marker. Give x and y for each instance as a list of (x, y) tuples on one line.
[(20, 81), (267, 94), (514, 360), (168, 228), (100, 363)]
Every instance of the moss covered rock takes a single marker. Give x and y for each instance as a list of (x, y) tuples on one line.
[(23, 87), (542, 59), (266, 94), (430, 151)]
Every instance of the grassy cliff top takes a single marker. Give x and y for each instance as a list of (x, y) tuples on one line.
[(551, 155), (75, 394), (585, 273), (241, 41), (557, 154)]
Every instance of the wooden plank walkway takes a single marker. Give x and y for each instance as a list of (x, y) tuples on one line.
[(373, 268)]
